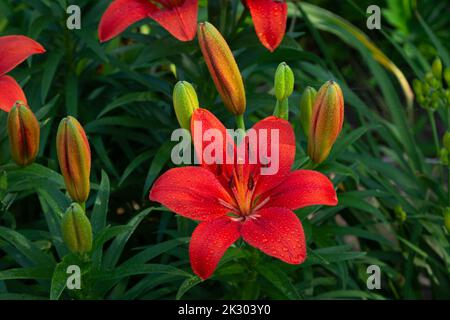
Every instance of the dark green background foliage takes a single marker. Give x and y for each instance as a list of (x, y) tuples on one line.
[(121, 93)]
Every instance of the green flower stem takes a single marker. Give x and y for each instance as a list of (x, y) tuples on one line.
[(240, 124), (282, 109)]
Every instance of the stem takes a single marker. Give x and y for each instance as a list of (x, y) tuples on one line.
[(282, 109), (240, 124)]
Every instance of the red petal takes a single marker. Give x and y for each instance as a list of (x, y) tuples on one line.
[(121, 14), (179, 18), (269, 18), (209, 242), (10, 92), (193, 192), (201, 121), (277, 232), (16, 49), (274, 127), (303, 188)]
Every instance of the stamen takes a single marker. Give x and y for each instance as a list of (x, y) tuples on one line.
[(228, 205), (259, 206)]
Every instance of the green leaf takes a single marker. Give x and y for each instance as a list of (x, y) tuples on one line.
[(38, 273), (187, 285), (279, 280)]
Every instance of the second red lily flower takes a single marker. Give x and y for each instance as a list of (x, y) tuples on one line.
[(235, 200), (13, 51), (179, 17)]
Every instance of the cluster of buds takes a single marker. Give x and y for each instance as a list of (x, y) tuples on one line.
[(74, 156), (76, 230), (24, 133), (431, 93)]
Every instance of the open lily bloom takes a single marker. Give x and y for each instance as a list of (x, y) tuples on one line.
[(179, 17), (13, 51), (235, 199)]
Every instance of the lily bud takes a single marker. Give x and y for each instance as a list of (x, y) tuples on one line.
[(400, 213), (24, 132), (306, 108), (447, 219), (436, 68), (284, 82), (185, 101), (222, 67), (447, 76), (326, 121), (76, 230), (74, 155)]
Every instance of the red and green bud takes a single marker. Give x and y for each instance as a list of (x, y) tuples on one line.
[(24, 133), (284, 82), (74, 157), (76, 230), (326, 121), (185, 101), (222, 67), (306, 108)]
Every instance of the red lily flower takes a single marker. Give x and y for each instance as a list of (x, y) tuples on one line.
[(269, 17), (179, 17), (13, 51), (235, 200)]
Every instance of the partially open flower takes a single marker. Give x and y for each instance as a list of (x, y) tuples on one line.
[(24, 132), (185, 101), (74, 157), (326, 121), (76, 230), (222, 67)]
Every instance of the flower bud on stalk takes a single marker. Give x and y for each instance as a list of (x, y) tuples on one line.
[(185, 101), (222, 67), (24, 132), (284, 81), (436, 69), (306, 108), (76, 230), (284, 86), (326, 121), (74, 157)]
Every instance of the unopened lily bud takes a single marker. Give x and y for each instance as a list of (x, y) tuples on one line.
[(222, 67), (447, 76), (417, 86), (436, 68), (185, 101), (24, 132), (326, 121), (306, 108), (284, 81), (400, 213), (74, 155), (76, 230), (447, 219)]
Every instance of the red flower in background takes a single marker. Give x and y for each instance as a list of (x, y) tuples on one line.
[(179, 17), (235, 200), (269, 18), (13, 51)]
